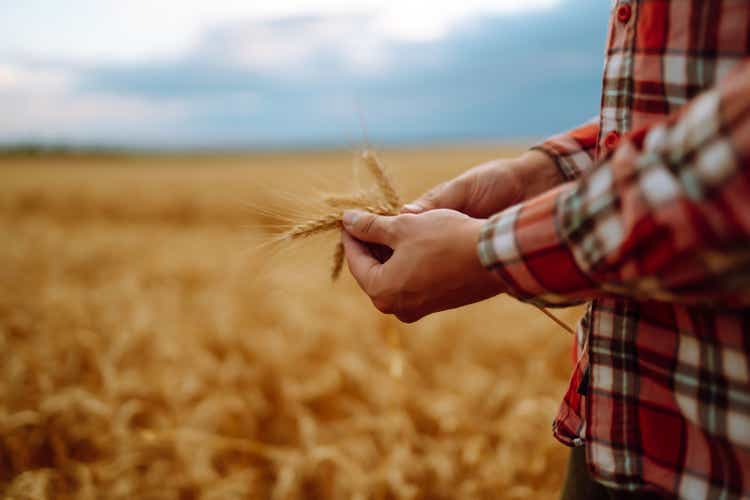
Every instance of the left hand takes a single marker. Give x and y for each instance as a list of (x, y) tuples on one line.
[(434, 266)]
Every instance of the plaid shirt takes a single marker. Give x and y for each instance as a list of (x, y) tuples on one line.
[(653, 229)]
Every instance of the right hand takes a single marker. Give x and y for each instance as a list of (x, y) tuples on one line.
[(491, 187)]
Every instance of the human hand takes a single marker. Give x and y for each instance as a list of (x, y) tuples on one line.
[(434, 265), (492, 186)]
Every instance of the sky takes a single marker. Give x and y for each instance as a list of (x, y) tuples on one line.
[(239, 74)]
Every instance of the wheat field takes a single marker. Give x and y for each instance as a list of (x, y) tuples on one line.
[(152, 345)]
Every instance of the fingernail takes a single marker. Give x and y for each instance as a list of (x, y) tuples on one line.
[(350, 218), (412, 207)]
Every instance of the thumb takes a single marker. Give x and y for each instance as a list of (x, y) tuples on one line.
[(446, 195), (369, 227)]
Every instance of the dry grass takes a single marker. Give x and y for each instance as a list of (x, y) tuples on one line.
[(149, 352)]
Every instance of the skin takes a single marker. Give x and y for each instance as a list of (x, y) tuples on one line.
[(493, 186), (434, 265)]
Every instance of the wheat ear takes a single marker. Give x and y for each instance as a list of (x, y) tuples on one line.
[(314, 226), (378, 171), (328, 222), (360, 199)]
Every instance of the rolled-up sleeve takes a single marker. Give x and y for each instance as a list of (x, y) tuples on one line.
[(663, 218), (573, 151)]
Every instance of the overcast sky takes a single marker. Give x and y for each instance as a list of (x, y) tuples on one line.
[(226, 73)]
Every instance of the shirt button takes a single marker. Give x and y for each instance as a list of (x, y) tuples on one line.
[(623, 13), (611, 140)]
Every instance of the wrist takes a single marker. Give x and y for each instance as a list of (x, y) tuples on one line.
[(479, 276), (537, 173)]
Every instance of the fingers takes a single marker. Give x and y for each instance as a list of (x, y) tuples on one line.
[(362, 264), (370, 227), (428, 201), (414, 207), (366, 271), (446, 195)]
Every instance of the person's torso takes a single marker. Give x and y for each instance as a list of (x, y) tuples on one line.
[(660, 54), (668, 400)]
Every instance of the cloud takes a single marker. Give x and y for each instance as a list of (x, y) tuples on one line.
[(15, 78), (299, 48), (43, 104), (298, 80)]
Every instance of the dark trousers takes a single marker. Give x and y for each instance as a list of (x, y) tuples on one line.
[(579, 485)]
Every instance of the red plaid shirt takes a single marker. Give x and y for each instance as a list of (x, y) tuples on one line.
[(653, 228)]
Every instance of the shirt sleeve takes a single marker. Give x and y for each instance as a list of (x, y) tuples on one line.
[(666, 217), (573, 151)]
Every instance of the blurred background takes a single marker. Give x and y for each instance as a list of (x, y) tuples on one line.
[(155, 343)]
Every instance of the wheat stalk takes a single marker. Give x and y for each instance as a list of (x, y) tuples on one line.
[(338, 261), (557, 320)]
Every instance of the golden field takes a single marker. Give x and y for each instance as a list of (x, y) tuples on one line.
[(151, 345)]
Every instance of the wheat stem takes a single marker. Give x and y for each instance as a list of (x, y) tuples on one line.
[(338, 261), (556, 320)]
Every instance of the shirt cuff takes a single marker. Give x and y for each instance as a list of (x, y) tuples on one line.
[(523, 245), (571, 164), (573, 151)]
